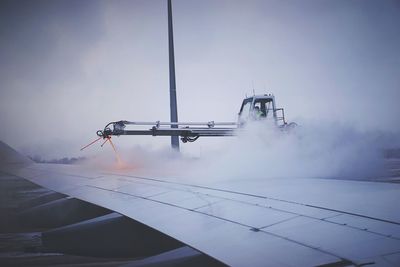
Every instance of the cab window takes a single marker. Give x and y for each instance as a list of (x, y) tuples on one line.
[(265, 105)]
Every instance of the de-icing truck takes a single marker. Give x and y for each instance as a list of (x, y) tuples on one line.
[(254, 108)]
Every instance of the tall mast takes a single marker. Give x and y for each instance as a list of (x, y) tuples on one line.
[(172, 84)]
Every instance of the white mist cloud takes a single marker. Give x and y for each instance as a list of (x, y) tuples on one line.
[(261, 151), (330, 150)]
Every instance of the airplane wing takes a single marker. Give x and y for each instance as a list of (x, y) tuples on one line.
[(271, 222)]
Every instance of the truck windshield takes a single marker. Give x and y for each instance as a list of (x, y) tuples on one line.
[(245, 108)]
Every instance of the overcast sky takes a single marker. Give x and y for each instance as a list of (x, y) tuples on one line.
[(69, 67)]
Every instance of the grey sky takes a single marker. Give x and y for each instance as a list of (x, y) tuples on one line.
[(69, 67)]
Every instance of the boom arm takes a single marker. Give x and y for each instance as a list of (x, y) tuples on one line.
[(188, 131)]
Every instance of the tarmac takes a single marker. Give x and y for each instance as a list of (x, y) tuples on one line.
[(20, 243)]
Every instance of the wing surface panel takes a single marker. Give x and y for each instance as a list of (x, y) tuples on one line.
[(247, 214), (371, 199), (383, 228)]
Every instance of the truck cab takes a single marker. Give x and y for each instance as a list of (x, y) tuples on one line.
[(261, 107)]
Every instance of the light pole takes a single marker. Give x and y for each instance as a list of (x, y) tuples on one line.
[(172, 83)]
